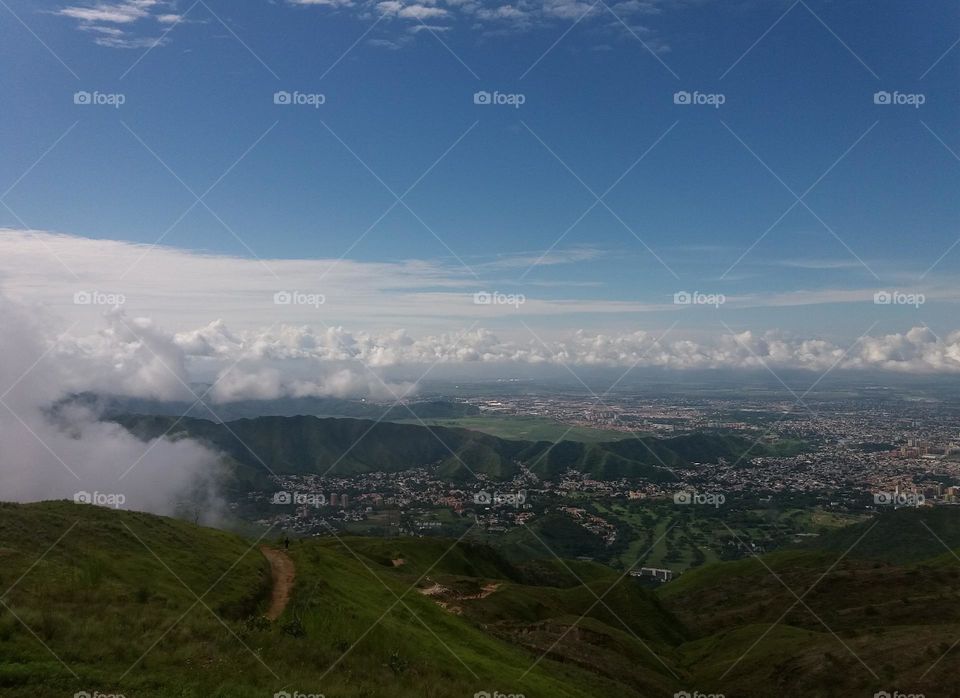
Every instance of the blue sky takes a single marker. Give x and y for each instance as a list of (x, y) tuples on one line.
[(502, 186)]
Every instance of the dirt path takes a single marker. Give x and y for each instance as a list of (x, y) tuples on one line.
[(283, 571)]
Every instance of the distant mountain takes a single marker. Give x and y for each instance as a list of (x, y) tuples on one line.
[(112, 406), (351, 446)]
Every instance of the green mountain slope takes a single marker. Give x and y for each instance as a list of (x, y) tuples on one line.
[(904, 535), (869, 607), (351, 446), (103, 600), (112, 406)]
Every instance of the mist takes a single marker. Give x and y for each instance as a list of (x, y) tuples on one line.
[(71, 454)]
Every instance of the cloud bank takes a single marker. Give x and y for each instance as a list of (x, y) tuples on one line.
[(133, 357), (72, 323), (71, 453), (156, 322)]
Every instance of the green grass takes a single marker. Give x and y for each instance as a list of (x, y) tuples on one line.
[(112, 595), (103, 600), (114, 585)]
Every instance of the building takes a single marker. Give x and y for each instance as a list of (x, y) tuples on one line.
[(656, 573)]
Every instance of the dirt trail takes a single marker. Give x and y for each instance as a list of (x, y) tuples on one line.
[(283, 571)]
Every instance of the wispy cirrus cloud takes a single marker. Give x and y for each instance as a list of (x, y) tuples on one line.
[(322, 3), (165, 283), (125, 23), (111, 13), (144, 23), (553, 257), (411, 11), (496, 18)]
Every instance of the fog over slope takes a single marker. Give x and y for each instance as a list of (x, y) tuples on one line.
[(43, 456)]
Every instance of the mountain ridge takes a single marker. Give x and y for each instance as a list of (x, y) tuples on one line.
[(346, 446)]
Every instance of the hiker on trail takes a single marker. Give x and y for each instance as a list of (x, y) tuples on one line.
[(286, 542)]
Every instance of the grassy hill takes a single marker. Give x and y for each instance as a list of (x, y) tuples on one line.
[(904, 535), (351, 446), (344, 446), (103, 600), (113, 406), (878, 612)]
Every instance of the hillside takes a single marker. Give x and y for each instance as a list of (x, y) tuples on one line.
[(112, 406), (349, 446), (105, 600), (901, 536), (831, 618), (344, 446), (526, 428)]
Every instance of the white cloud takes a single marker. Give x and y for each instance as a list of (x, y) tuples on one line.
[(190, 317), (107, 31), (116, 12), (503, 12), (132, 357), (328, 3), (112, 23), (917, 350), (40, 267), (115, 22), (130, 42), (497, 18), (407, 11), (56, 456), (552, 257)]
